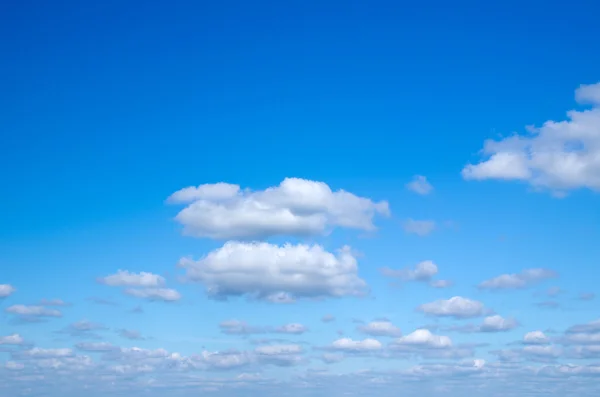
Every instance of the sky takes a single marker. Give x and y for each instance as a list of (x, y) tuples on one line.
[(309, 198)]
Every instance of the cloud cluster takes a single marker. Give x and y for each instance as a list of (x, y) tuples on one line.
[(297, 207), (558, 156), (142, 285)]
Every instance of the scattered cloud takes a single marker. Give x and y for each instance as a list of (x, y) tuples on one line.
[(380, 328), (296, 207), (423, 271), (6, 290), (558, 156), (327, 318), (53, 302), (263, 270), (32, 313), (123, 278), (457, 307), (424, 338), (356, 346), (130, 334), (587, 296), (420, 185), (102, 301), (548, 305), (292, 328), (441, 283), (83, 329), (14, 339), (497, 323), (536, 338), (155, 294), (521, 280), (420, 228)]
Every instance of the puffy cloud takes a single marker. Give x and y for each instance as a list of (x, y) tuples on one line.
[(536, 338), (520, 280), (420, 228), (423, 271), (497, 323), (280, 355), (26, 311), (263, 270), (456, 306), (420, 185), (356, 346), (6, 290), (155, 294), (380, 328), (123, 278), (424, 338), (558, 156), (294, 207), (14, 339)]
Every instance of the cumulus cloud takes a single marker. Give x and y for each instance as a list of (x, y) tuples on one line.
[(280, 355), (155, 294), (536, 338), (420, 228), (6, 290), (424, 338), (423, 271), (456, 306), (497, 323), (420, 185), (380, 328), (14, 339), (356, 346), (123, 278), (558, 156), (294, 207), (518, 280), (263, 270)]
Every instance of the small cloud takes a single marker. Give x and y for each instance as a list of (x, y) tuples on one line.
[(130, 334), (53, 302), (497, 323), (380, 328), (27, 313), (123, 278), (83, 329), (293, 328), (457, 307), (14, 339), (536, 338), (328, 318), (102, 301), (6, 290), (516, 281), (441, 283), (587, 296), (548, 305), (423, 271), (420, 185), (420, 228), (154, 294), (137, 310)]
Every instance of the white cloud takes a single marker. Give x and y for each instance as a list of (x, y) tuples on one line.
[(262, 270), (380, 328), (123, 278), (535, 338), (423, 271), (295, 207), (14, 366), (37, 352), (53, 302), (6, 290), (14, 339), (96, 346), (155, 294), (420, 185), (349, 345), (456, 306), (32, 311), (236, 327), (424, 338), (130, 334), (497, 323), (520, 280), (420, 228), (292, 328), (558, 156)]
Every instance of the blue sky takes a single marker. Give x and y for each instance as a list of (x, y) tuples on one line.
[(327, 199)]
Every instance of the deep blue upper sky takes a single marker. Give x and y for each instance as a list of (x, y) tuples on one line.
[(109, 107)]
